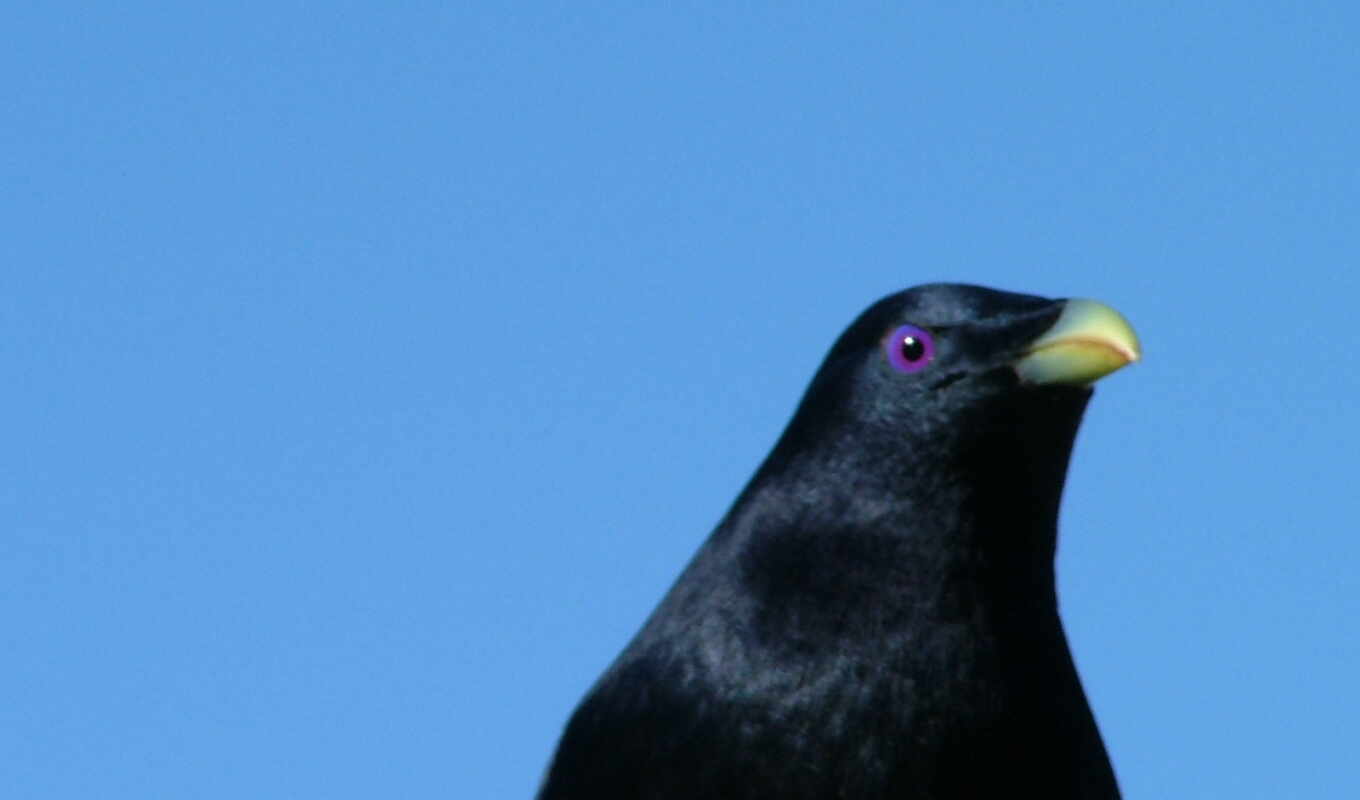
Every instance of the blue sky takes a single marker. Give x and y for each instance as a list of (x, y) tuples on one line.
[(371, 371)]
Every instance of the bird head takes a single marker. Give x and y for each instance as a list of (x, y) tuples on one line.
[(948, 388), (937, 362)]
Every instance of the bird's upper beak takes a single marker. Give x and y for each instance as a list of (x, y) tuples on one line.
[(1089, 341)]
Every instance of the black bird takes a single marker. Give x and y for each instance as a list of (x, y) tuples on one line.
[(876, 615)]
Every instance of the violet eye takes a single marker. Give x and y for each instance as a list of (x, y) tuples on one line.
[(909, 348)]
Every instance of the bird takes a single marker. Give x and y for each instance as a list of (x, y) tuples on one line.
[(876, 614)]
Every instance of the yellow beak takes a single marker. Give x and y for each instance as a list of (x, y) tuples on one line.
[(1089, 341)]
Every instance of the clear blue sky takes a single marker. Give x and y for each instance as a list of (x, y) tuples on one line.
[(370, 371)]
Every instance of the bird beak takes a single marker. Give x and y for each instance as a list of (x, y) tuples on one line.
[(1089, 341)]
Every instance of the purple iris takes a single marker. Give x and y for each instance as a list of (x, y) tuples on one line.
[(909, 348)]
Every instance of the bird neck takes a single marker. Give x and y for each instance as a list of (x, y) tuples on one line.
[(906, 529)]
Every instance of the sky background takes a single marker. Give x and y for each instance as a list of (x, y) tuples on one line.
[(370, 371)]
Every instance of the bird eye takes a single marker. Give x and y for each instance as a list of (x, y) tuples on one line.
[(909, 348)]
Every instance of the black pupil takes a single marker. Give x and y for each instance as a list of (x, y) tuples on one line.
[(913, 349)]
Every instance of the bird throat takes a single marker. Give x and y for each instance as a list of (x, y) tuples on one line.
[(912, 537)]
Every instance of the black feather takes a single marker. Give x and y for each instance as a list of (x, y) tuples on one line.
[(875, 616)]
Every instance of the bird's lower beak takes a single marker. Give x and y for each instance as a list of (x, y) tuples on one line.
[(1089, 341)]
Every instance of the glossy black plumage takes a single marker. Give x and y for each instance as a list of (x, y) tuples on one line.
[(875, 616)]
